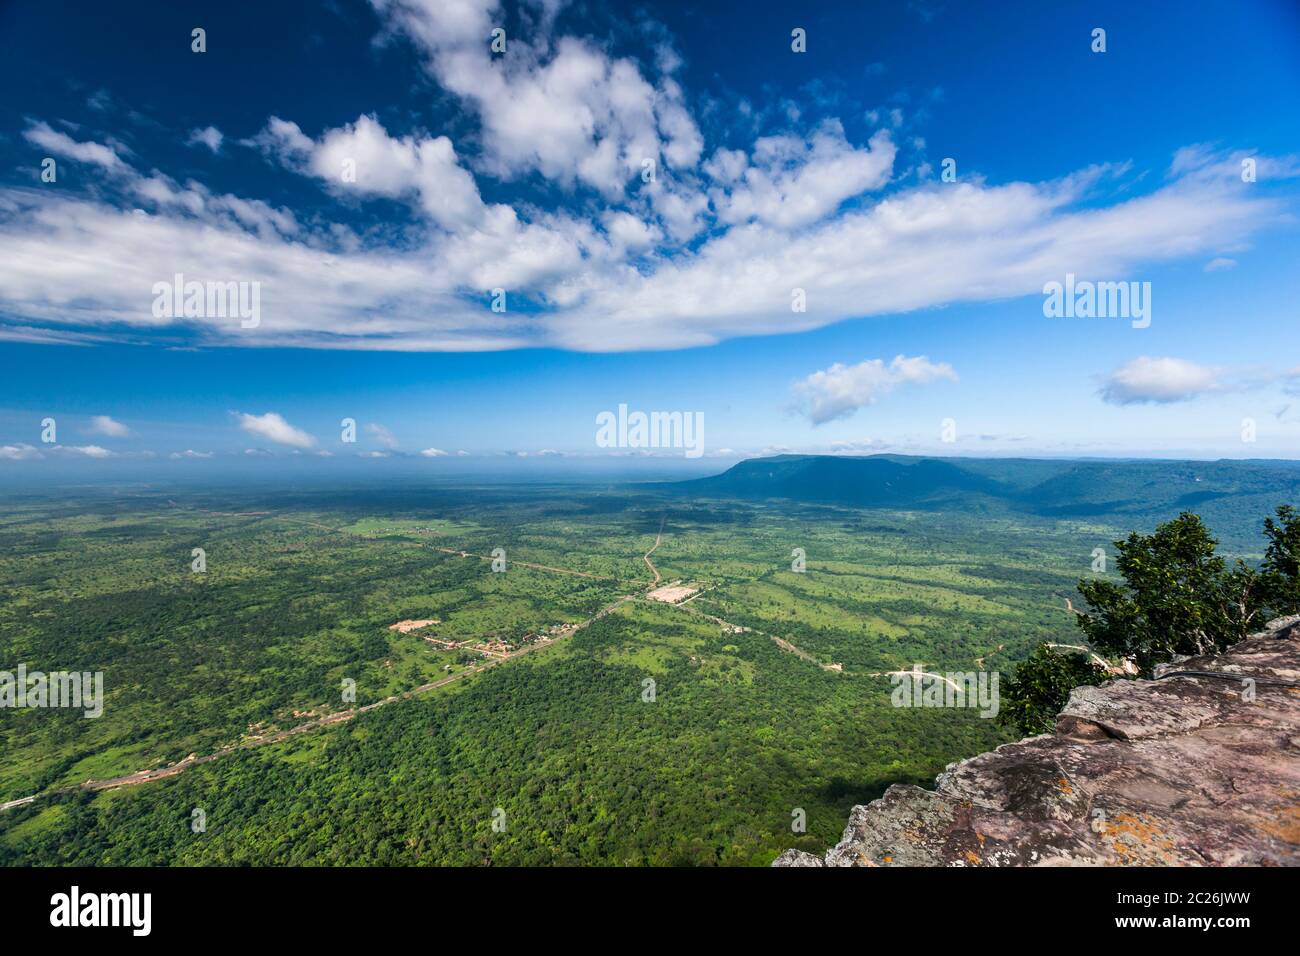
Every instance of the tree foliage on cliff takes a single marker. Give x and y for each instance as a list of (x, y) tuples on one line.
[(1178, 598), (1039, 687), (1280, 569)]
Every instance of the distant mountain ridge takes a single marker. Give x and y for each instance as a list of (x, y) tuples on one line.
[(1076, 488)]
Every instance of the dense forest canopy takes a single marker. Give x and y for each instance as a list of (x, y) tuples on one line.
[(609, 727)]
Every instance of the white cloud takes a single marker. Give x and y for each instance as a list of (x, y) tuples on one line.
[(726, 165), (226, 210), (382, 435), (681, 209), (433, 453), (555, 105), (64, 145), (309, 293), (1220, 263), (629, 231), (793, 183), (273, 427), (384, 166), (283, 140), (632, 274), (20, 452), (104, 425), (839, 391), (1161, 381), (1202, 161), (915, 249), (90, 451), (190, 453), (209, 136)]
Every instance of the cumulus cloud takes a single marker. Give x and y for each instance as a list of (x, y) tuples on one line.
[(104, 425), (363, 157), (556, 105), (839, 391), (433, 453), (1164, 381), (90, 451), (273, 427), (794, 182), (282, 140), (209, 136), (629, 231), (1161, 381), (190, 453)]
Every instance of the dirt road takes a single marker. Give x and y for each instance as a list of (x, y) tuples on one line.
[(646, 557)]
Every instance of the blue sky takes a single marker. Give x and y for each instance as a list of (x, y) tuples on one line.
[(376, 170)]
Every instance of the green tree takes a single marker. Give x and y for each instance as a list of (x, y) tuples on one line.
[(1280, 569), (1040, 686), (1178, 597)]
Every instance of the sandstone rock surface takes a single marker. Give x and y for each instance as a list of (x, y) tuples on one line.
[(1195, 769)]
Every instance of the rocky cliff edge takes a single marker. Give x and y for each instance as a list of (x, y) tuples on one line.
[(1199, 767)]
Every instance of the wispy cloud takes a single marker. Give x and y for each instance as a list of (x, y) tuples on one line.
[(61, 144), (20, 452), (382, 435), (104, 425)]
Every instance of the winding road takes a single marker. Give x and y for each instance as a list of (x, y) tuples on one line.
[(646, 557)]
